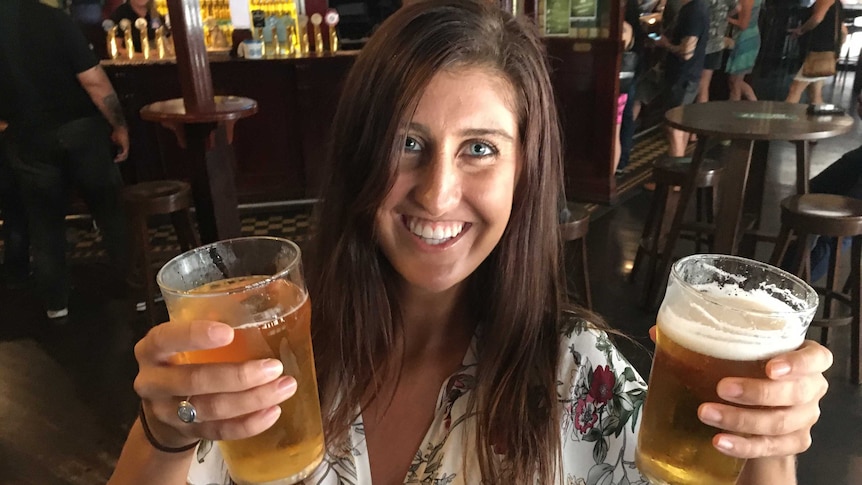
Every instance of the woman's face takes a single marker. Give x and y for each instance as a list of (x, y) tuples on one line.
[(455, 180)]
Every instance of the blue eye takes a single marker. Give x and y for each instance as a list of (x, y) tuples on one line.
[(411, 145), (480, 149)]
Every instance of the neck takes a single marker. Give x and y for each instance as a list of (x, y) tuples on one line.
[(435, 322)]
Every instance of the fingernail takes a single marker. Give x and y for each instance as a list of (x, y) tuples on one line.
[(272, 413), (730, 389), (724, 444), (287, 384), (779, 368), (220, 333), (710, 415), (272, 367)]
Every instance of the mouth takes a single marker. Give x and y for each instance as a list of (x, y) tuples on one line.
[(435, 233)]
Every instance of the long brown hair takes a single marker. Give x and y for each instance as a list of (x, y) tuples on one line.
[(516, 291)]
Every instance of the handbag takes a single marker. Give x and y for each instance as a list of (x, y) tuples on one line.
[(823, 63)]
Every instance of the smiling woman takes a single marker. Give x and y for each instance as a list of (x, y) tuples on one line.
[(444, 346)]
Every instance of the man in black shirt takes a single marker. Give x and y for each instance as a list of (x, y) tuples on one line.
[(684, 64), (56, 99), (133, 10)]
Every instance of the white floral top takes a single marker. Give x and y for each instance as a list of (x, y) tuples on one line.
[(601, 397)]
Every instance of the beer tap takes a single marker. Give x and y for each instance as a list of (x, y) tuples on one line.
[(331, 22), (111, 32), (126, 27), (302, 32), (316, 20), (141, 25), (160, 41)]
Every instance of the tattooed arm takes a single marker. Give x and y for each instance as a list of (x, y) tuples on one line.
[(98, 86)]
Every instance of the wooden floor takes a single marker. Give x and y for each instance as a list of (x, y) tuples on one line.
[(67, 401)]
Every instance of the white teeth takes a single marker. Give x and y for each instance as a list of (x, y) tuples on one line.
[(434, 235)]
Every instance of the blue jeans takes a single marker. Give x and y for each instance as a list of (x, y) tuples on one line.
[(49, 164)]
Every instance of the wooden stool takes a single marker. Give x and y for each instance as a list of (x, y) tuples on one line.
[(573, 231), (162, 197), (669, 173), (811, 215)]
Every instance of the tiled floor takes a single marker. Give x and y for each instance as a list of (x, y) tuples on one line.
[(67, 397)]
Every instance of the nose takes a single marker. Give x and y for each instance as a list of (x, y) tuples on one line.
[(438, 189)]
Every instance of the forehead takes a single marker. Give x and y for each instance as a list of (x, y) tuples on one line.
[(469, 94)]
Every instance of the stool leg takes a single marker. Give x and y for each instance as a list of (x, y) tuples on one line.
[(184, 227), (647, 236), (856, 298), (831, 286), (143, 237), (661, 194), (781, 245), (698, 217), (654, 286), (802, 260)]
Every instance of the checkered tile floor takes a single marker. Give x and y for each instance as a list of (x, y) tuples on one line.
[(293, 223)]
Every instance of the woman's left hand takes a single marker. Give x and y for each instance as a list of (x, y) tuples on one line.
[(780, 409)]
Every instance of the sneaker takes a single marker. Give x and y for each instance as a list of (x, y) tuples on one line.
[(57, 314), (141, 306)]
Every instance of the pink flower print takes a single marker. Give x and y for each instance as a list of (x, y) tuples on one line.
[(585, 415), (602, 387)]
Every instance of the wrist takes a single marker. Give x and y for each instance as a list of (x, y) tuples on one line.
[(164, 438)]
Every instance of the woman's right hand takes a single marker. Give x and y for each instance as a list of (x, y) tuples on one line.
[(232, 400)]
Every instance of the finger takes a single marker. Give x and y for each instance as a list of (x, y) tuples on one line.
[(239, 428), (167, 339), (766, 422), (810, 358), (223, 406), (763, 392), (762, 446), (652, 333), (197, 379)]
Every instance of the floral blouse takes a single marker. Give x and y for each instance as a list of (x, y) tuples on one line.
[(600, 394)]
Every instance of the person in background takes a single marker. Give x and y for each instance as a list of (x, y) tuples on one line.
[(133, 10), (627, 74), (818, 31), (627, 124), (63, 115), (445, 349), (714, 45), (86, 12), (16, 241), (745, 47), (686, 52)]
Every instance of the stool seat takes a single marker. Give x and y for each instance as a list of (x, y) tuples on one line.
[(823, 214), (674, 170), (158, 196), (577, 224)]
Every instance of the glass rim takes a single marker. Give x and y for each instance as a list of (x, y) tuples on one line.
[(811, 304), (294, 263)]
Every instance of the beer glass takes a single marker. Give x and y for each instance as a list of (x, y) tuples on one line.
[(722, 316), (255, 285)]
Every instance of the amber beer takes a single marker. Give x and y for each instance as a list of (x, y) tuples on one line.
[(722, 316), (271, 317)]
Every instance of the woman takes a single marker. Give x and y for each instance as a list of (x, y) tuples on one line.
[(746, 46), (133, 10), (820, 32), (444, 348)]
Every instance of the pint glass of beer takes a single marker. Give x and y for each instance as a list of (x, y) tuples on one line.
[(256, 286), (722, 316)]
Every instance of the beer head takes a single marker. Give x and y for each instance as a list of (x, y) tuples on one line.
[(735, 309)]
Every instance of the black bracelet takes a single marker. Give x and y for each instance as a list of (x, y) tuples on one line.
[(152, 439)]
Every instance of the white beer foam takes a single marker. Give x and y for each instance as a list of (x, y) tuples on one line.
[(716, 327)]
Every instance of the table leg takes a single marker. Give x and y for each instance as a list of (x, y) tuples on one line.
[(213, 185), (685, 196), (732, 188), (803, 166)]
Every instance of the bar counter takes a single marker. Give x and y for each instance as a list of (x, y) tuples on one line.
[(279, 151)]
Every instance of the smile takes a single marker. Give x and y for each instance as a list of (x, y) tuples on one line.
[(434, 233)]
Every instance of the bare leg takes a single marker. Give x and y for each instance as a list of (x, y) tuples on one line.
[(703, 86), (677, 140), (734, 80), (636, 109), (795, 92), (815, 92), (747, 90), (617, 148)]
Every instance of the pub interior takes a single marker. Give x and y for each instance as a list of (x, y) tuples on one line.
[(247, 135)]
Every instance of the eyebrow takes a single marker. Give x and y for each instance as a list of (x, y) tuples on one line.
[(468, 131)]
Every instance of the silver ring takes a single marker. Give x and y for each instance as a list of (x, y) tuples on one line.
[(186, 411)]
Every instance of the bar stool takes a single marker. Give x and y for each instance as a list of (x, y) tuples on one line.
[(573, 231), (825, 215), (668, 174), (162, 197)]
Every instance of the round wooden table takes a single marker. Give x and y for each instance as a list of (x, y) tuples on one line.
[(744, 122)]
